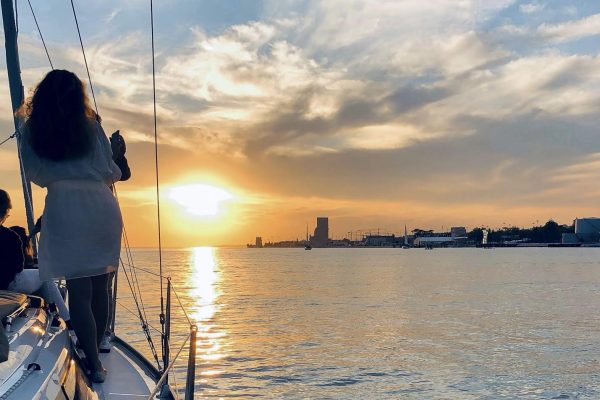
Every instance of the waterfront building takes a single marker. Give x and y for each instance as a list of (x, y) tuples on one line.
[(458, 232), (259, 243), (459, 236), (433, 241), (340, 243), (321, 236), (380, 241), (587, 230)]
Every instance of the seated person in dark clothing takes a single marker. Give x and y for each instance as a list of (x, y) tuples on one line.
[(12, 275), (4, 346), (28, 260), (11, 256)]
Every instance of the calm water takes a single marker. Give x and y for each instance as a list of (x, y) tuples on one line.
[(384, 323)]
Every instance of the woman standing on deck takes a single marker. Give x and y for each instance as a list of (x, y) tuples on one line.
[(65, 150)]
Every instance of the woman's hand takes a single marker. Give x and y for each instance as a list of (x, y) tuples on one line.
[(117, 143)]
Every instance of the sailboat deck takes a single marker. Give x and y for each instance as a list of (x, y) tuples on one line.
[(126, 379)]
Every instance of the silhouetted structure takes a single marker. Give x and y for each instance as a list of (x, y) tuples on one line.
[(321, 236), (258, 243), (381, 241), (587, 230), (458, 232)]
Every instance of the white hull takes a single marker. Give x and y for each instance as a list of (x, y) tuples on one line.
[(40, 365), (35, 342)]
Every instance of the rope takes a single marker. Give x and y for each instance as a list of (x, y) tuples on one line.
[(182, 307), (8, 138), (141, 312), (166, 373), (40, 32), (174, 375), (84, 57), (135, 280), (162, 305), (133, 283), (133, 272), (144, 270), (142, 321), (129, 310), (130, 261)]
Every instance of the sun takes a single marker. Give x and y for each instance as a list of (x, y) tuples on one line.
[(199, 199)]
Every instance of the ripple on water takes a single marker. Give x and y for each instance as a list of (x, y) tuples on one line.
[(278, 379), (266, 368), (341, 382)]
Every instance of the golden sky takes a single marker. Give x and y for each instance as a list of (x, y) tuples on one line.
[(376, 114)]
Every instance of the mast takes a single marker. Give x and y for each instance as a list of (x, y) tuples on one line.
[(16, 96), (405, 236)]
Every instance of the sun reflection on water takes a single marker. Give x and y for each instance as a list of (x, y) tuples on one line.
[(204, 283)]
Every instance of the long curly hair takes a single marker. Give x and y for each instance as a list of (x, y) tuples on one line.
[(58, 115)]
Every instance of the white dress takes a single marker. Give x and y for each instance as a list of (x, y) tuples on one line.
[(81, 222)]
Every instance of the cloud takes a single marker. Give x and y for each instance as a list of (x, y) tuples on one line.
[(436, 106), (253, 87), (571, 30), (112, 15), (530, 8)]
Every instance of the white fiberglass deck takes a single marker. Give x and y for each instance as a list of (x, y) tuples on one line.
[(125, 379)]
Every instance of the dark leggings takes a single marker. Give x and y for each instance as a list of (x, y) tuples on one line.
[(88, 305)]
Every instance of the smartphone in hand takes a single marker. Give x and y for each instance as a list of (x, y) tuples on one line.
[(117, 143)]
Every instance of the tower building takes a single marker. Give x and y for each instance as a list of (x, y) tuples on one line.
[(321, 236)]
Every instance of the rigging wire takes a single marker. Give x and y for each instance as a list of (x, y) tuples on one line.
[(42, 37), (162, 306), (133, 282), (141, 317), (134, 275), (8, 138), (144, 270), (130, 311), (183, 308), (130, 264), (84, 57), (174, 375)]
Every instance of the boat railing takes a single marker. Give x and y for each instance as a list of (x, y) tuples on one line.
[(162, 384), (162, 389)]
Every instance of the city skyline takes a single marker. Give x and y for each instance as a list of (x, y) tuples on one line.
[(372, 113), (359, 234)]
